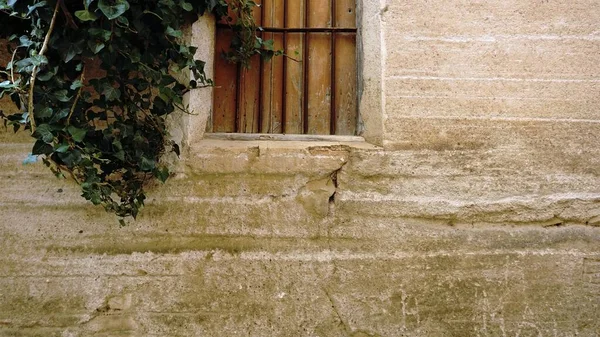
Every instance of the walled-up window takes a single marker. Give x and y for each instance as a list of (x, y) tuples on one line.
[(309, 90)]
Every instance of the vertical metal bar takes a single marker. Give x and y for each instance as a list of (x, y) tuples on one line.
[(332, 124), (358, 10), (358, 60), (260, 72), (238, 92), (305, 69), (284, 75)]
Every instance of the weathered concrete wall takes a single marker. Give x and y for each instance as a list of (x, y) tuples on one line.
[(479, 217), (482, 74), (256, 239)]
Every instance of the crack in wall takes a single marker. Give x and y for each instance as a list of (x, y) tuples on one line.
[(335, 180), (334, 307), (334, 177)]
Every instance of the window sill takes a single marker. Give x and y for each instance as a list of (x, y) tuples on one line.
[(282, 137), (287, 156), (282, 155), (281, 141)]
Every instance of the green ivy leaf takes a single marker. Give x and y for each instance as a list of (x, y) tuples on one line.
[(62, 148), (38, 60), (162, 174), (27, 64), (120, 155), (172, 32), (187, 6), (61, 95), (62, 113), (134, 56), (268, 44), (85, 15), (95, 47), (111, 93), (47, 75), (102, 34), (76, 85), (77, 133), (70, 158), (44, 133), (25, 41), (167, 94), (123, 20), (147, 164), (44, 112), (73, 50), (32, 8), (92, 195), (40, 147), (113, 9)]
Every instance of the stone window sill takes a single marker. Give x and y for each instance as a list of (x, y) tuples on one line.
[(279, 141), (271, 154)]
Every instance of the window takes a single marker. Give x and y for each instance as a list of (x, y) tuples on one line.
[(312, 90)]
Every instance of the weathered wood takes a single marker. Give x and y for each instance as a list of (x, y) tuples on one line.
[(345, 13), (345, 70), (294, 120), (248, 114), (272, 79), (249, 91), (225, 97), (311, 90), (345, 86), (319, 65)]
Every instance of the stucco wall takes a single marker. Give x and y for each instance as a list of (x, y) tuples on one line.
[(472, 74), (479, 215)]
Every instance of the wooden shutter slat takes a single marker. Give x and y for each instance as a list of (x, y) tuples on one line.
[(225, 91), (294, 85), (319, 84), (272, 80), (345, 13), (319, 13), (257, 12), (345, 87), (319, 65), (248, 97), (248, 91), (345, 69)]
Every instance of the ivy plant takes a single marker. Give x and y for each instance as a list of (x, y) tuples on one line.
[(94, 80), (246, 43)]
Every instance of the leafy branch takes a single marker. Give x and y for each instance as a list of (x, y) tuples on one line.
[(94, 82), (35, 69), (246, 43)]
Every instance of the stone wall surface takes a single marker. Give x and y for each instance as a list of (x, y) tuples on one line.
[(489, 73), (479, 215)]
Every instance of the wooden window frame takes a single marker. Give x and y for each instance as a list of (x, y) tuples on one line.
[(192, 128), (322, 78)]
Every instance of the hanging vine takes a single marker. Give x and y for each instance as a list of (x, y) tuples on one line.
[(93, 80), (246, 43)]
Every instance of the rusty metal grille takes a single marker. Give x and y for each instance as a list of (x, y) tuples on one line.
[(311, 90)]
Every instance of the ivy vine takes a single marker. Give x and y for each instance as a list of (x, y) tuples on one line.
[(95, 79), (246, 43)]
